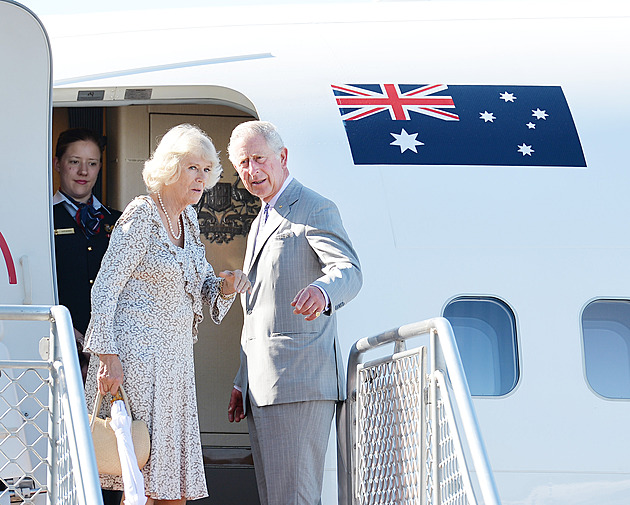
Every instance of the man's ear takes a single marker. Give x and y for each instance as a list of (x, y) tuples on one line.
[(284, 155)]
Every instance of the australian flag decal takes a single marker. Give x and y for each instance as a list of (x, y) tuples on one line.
[(416, 124)]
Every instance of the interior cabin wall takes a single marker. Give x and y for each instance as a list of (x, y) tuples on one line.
[(217, 351), (132, 133)]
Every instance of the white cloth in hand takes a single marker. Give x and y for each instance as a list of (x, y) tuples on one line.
[(132, 476)]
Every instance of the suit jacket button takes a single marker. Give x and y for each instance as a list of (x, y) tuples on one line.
[(89, 248)]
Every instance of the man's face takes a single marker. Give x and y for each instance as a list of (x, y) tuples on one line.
[(262, 171)]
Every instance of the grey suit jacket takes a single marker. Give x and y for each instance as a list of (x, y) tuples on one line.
[(285, 358)]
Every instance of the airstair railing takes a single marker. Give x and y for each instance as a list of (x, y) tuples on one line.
[(410, 431), (46, 456)]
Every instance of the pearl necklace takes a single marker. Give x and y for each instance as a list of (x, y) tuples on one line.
[(168, 219)]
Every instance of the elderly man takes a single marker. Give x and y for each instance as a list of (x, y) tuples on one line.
[(303, 269)]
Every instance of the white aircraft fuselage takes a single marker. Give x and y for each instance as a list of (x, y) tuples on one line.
[(533, 229)]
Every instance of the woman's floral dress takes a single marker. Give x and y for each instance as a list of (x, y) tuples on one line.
[(146, 306)]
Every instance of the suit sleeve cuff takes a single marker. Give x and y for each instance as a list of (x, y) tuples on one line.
[(326, 298)]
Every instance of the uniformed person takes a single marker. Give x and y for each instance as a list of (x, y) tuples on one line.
[(82, 225), (82, 229)]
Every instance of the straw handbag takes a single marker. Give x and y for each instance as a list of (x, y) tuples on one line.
[(104, 438)]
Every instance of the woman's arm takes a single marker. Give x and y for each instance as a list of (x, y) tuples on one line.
[(127, 248), (220, 292)]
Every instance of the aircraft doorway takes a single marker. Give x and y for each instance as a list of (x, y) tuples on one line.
[(132, 133)]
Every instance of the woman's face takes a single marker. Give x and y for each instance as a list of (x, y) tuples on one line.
[(194, 177), (78, 169)]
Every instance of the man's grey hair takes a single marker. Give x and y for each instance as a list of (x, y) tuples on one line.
[(252, 128)]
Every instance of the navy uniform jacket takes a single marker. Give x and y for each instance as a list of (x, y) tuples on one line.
[(78, 261)]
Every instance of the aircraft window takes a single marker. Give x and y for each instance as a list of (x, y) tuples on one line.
[(606, 339), (485, 331)]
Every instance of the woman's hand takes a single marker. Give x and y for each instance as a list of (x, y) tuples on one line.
[(234, 281), (110, 373)]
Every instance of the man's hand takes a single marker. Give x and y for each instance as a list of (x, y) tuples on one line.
[(310, 302), (235, 409)]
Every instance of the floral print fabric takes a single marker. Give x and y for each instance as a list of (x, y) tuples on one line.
[(146, 306)]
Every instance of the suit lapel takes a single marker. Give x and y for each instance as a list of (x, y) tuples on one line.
[(278, 214), (251, 238), (265, 232)]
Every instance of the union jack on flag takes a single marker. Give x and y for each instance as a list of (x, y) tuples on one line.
[(422, 124), (365, 102)]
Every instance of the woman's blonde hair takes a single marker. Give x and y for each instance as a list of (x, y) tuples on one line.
[(164, 166)]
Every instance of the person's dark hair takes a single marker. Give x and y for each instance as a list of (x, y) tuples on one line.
[(75, 135)]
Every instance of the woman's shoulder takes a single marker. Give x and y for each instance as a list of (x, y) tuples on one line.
[(142, 204), (141, 210)]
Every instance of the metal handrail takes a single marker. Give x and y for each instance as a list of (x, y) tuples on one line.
[(439, 381), (65, 371), (444, 357)]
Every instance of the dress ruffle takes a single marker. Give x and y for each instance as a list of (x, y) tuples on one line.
[(195, 276)]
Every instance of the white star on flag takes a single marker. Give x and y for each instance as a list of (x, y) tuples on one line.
[(406, 141), (539, 114), (531, 126), (487, 116), (508, 97), (526, 150)]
